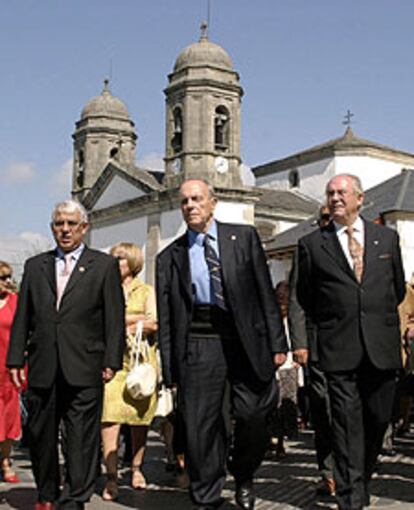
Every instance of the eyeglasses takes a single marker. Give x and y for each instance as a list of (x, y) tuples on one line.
[(5, 277), (70, 224)]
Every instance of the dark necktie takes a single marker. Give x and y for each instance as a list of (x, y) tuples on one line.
[(214, 268), (357, 253)]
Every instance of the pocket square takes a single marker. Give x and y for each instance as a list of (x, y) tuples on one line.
[(384, 256)]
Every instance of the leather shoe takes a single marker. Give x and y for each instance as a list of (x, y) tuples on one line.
[(245, 496), (44, 505)]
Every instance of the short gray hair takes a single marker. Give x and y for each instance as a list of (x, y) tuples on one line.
[(210, 187), (356, 181), (70, 206)]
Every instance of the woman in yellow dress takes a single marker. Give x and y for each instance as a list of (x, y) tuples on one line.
[(118, 406)]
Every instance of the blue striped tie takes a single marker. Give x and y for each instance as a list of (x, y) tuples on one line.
[(214, 268)]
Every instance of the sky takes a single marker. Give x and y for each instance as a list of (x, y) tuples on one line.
[(302, 65)]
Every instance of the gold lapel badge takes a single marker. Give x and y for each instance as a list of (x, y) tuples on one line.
[(82, 269)]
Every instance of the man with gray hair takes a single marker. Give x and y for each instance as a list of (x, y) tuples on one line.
[(70, 322), (350, 282)]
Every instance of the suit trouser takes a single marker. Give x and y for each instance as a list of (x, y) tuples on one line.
[(321, 419), (80, 410), (211, 361), (361, 405)]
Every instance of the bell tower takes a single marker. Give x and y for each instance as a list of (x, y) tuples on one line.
[(104, 133), (203, 100)]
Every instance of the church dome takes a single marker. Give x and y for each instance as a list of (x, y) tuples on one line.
[(105, 105), (203, 53)]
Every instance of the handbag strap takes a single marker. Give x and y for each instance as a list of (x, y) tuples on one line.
[(136, 346)]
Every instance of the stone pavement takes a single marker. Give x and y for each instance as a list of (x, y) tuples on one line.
[(287, 484)]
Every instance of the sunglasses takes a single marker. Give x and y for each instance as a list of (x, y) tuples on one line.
[(5, 277)]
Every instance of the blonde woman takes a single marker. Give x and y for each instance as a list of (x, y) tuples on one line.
[(118, 406)]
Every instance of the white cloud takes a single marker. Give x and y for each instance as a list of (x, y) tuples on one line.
[(61, 183), (17, 173), (152, 161), (16, 249)]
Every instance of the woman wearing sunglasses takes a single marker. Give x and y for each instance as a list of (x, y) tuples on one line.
[(10, 423)]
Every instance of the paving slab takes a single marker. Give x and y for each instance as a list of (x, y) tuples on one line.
[(286, 484)]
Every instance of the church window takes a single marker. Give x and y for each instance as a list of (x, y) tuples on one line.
[(177, 138), (80, 175), (113, 152), (294, 179), (221, 128)]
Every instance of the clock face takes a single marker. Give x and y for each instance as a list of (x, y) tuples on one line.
[(176, 165), (221, 164)]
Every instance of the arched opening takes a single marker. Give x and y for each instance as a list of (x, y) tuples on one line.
[(80, 177), (113, 152), (177, 138), (221, 128)]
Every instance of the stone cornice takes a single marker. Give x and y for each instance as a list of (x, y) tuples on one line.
[(203, 83)]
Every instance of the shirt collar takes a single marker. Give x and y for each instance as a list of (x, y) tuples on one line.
[(198, 237), (76, 253), (358, 226)]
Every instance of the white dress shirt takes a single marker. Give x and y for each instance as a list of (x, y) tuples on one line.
[(358, 233)]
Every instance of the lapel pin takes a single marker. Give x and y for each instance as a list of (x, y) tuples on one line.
[(233, 237), (82, 269), (376, 242)]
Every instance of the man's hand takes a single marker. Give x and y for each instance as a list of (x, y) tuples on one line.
[(107, 374), (301, 356), (278, 359), (18, 377)]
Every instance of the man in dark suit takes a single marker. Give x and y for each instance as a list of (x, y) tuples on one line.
[(70, 322), (305, 352), (218, 322), (350, 283)]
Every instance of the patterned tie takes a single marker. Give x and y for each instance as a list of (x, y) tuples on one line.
[(62, 278), (214, 268), (357, 254)]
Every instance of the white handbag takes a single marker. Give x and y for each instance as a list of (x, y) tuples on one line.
[(165, 403), (141, 380)]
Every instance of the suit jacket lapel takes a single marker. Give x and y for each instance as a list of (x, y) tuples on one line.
[(49, 269), (332, 246), (182, 262), (82, 266), (226, 247), (371, 246)]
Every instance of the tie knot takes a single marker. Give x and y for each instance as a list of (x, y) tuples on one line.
[(350, 230)]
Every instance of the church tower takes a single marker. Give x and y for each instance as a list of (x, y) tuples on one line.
[(203, 100), (104, 133)]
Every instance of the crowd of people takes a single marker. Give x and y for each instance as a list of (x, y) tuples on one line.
[(236, 354)]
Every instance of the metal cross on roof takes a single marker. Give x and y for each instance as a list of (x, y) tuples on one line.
[(348, 117)]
